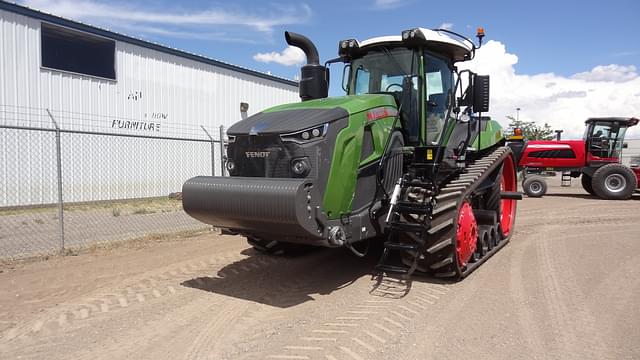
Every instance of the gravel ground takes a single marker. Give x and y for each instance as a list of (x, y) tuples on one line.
[(566, 287)]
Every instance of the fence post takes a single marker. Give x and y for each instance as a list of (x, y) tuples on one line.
[(213, 151), (222, 169), (59, 175)]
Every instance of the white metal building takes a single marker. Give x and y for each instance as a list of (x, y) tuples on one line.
[(632, 151), (95, 80)]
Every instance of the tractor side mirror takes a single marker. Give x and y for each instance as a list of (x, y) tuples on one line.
[(481, 93)]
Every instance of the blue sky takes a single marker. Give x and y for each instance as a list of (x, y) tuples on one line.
[(563, 37), (572, 49)]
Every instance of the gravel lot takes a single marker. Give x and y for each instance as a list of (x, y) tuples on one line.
[(566, 287)]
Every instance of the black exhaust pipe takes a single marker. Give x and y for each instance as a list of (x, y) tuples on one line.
[(313, 76)]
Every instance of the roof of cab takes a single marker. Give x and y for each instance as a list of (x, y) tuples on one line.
[(458, 50), (627, 121)]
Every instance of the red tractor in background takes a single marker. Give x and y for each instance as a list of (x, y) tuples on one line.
[(595, 159)]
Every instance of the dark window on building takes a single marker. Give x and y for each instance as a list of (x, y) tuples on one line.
[(68, 50)]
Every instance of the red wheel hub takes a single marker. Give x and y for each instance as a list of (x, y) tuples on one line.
[(467, 234), (507, 206)]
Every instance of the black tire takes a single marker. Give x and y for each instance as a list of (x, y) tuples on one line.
[(586, 181), (614, 182), (534, 186)]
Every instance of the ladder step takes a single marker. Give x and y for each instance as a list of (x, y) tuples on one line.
[(408, 227), (391, 269), (399, 246)]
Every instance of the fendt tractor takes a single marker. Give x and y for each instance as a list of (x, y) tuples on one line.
[(405, 158), (595, 159)]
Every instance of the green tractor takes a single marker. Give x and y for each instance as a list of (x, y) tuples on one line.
[(405, 158)]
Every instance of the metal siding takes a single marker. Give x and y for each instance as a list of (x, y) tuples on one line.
[(632, 151), (189, 92)]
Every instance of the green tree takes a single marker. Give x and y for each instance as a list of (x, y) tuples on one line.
[(531, 129)]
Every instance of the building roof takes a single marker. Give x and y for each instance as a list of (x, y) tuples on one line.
[(26, 11)]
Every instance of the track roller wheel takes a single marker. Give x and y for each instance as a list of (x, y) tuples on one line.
[(507, 214), (466, 234), (483, 244), (493, 237)]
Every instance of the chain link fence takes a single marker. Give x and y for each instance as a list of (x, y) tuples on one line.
[(66, 187)]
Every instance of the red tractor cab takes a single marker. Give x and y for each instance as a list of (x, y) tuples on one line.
[(595, 158)]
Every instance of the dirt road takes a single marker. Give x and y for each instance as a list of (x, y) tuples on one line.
[(566, 287)]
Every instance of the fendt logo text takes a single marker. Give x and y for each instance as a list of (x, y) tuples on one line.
[(256, 154)]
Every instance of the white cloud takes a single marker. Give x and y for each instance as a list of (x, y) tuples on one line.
[(176, 21), (288, 57), (446, 26), (563, 102), (613, 72), (388, 4)]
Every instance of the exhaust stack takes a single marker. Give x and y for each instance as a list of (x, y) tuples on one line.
[(314, 82), (559, 134)]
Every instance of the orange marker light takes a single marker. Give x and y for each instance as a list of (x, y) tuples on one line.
[(480, 32), (517, 132)]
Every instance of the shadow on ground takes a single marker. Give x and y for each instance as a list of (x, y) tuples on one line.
[(285, 281)]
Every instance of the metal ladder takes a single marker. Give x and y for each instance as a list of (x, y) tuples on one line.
[(565, 179), (413, 230)]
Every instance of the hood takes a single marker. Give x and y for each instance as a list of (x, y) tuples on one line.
[(299, 116)]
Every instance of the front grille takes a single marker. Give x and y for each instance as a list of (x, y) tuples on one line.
[(266, 156)]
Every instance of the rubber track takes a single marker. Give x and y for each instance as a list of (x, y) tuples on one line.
[(439, 258)]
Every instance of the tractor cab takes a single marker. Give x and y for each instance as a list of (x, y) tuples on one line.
[(386, 69), (604, 138), (418, 69)]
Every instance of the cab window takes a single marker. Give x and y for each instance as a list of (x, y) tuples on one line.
[(439, 83)]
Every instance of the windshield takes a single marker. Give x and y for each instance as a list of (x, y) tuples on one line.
[(396, 71), (382, 70), (606, 139)]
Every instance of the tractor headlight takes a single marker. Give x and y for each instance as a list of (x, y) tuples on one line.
[(307, 135), (301, 166), (347, 47), (413, 36), (231, 139)]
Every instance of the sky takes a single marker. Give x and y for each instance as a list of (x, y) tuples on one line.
[(559, 61)]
